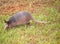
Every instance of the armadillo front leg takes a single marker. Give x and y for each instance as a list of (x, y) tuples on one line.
[(28, 23)]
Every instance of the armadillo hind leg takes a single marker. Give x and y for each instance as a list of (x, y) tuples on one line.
[(28, 23)]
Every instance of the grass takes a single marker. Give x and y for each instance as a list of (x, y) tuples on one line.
[(34, 34)]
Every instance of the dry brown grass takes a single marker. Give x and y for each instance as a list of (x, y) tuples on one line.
[(13, 6)]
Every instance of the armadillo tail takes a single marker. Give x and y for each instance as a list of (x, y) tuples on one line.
[(38, 22)]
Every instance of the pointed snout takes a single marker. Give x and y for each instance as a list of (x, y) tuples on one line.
[(6, 26)]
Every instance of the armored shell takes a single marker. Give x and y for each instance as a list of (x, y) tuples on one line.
[(19, 19)]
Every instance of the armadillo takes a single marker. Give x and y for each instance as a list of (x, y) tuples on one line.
[(20, 18)]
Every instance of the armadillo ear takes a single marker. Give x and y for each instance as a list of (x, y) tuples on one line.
[(5, 21)]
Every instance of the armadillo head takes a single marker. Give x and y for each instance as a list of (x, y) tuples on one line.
[(6, 25)]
